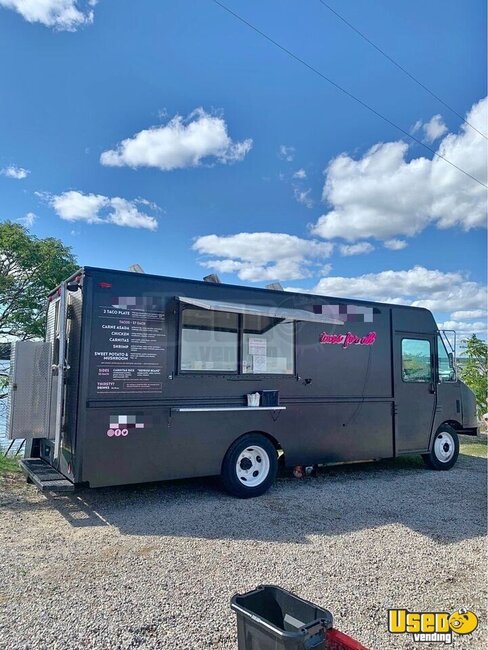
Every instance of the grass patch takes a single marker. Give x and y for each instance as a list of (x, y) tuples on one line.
[(474, 447), (8, 464)]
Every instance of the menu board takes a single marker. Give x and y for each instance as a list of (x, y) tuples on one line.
[(128, 347)]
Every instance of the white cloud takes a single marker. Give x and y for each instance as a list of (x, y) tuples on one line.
[(281, 270), (76, 206), (463, 328), (28, 219), (286, 152), (384, 195), (125, 213), (434, 129), (180, 143), (12, 171), (395, 244), (303, 197), (149, 204), (262, 255), (416, 127), (96, 208), (62, 15), (418, 286), (468, 314), (356, 249), (301, 194)]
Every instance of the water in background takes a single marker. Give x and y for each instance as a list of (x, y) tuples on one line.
[(4, 441), (3, 434)]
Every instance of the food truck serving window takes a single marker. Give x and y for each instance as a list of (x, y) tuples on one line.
[(217, 334), (416, 360), (213, 341), (209, 341), (267, 346)]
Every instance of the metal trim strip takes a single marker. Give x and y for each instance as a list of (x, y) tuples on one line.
[(227, 408)]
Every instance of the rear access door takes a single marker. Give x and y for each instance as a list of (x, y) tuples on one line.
[(37, 368), (57, 327), (415, 390), (37, 399)]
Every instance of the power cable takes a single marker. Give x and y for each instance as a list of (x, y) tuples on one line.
[(400, 67), (346, 92)]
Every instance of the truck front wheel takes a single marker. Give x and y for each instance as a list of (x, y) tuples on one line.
[(249, 466), (445, 449)]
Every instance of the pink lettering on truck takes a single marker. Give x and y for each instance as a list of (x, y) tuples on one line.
[(348, 339)]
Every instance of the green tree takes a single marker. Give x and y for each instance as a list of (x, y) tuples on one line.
[(29, 269), (474, 371)]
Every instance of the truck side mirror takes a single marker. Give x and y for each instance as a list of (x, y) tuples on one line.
[(451, 359)]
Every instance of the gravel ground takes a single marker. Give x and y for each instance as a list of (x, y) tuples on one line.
[(155, 566)]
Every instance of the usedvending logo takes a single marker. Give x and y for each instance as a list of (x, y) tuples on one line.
[(120, 425), (431, 627)]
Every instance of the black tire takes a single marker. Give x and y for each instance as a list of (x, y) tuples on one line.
[(266, 454), (445, 449)]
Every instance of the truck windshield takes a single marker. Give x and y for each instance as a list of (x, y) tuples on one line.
[(445, 369)]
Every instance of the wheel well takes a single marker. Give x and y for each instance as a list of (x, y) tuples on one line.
[(276, 444), (454, 424)]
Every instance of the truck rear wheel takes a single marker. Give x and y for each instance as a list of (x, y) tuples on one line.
[(445, 449), (250, 466)]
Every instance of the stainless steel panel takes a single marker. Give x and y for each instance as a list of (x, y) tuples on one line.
[(30, 384), (52, 331), (51, 321), (261, 310), (61, 369)]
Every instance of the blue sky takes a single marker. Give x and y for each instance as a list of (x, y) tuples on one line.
[(172, 135)]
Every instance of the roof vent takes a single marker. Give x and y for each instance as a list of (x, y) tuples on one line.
[(274, 286), (213, 277), (136, 268)]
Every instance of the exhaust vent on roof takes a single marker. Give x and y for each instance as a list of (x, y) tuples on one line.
[(274, 286), (136, 268), (213, 277)]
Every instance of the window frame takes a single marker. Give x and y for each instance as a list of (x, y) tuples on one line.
[(240, 336), (431, 361), (181, 371), (453, 368), (267, 374)]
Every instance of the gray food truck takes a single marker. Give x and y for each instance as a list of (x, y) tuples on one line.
[(148, 378)]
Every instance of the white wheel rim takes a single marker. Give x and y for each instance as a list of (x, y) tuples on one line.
[(252, 466), (444, 447)]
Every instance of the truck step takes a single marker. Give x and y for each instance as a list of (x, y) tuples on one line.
[(45, 477)]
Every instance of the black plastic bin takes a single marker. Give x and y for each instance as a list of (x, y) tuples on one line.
[(270, 397), (271, 618)]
